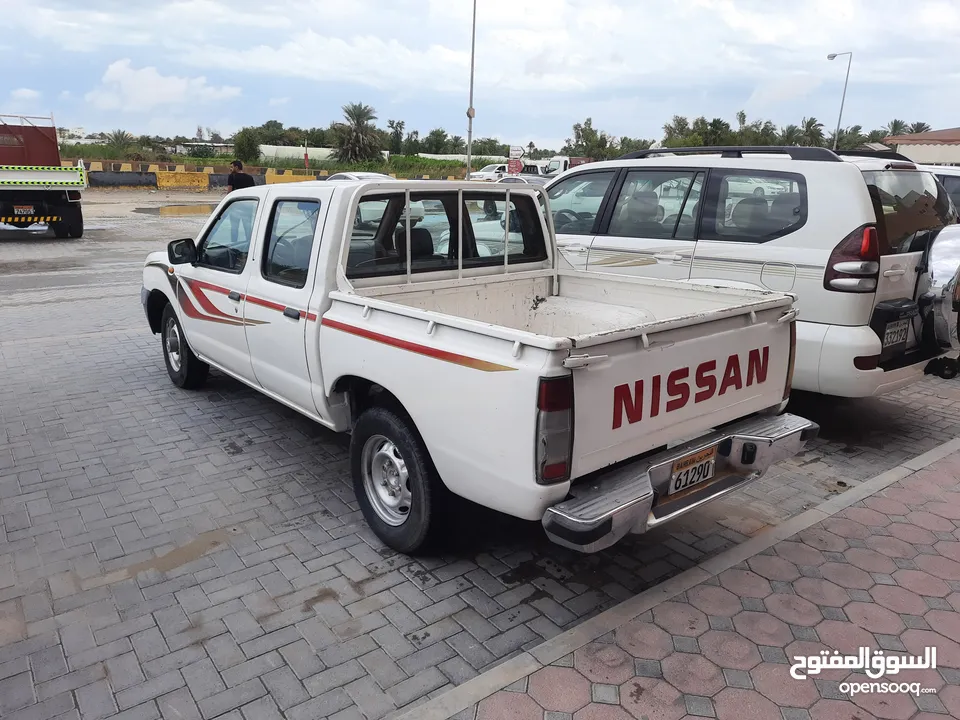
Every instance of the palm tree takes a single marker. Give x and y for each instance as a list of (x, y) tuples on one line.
[(119, 140), (357, 138), (895, 127), (790, 135), (919, 127), (396, 135), (457, 144), (811, 131), (531, 147)]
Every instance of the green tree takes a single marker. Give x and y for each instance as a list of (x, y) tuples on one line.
[(790, 135), (811, 130), (676, 128), (411, 144), (456, 145), (895, 127), (396, 136), (119, 140), (919, 127), (317, 137), (246, 144), (876, 136), (488, 147), (628, 144), (271, 132), (691, 139), (357, 138), (435, 142)]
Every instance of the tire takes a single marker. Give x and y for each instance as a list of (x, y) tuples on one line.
[(185, 369), (71, 225), (758, 192), (60, 230), (396, 484)]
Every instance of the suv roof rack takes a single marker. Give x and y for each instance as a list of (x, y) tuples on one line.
[(879, 154), (796, 152)]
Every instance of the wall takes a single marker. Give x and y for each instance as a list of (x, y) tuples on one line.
[(931, 154)]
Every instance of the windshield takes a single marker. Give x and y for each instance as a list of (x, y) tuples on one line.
[(489, 168), (911, 208), (553, 165)]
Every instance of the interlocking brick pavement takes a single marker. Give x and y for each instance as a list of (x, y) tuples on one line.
[(189, 550), (724, 648)]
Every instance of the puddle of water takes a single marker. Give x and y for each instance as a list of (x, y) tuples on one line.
[(178, 210)]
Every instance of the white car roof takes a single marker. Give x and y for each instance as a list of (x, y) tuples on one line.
[(941, 169)]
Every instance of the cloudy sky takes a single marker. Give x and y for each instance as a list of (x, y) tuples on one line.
[(165, 67)]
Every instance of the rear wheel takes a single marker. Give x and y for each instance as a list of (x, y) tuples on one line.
[(71, 224), (396, 485), (185, 369), (758, 192)]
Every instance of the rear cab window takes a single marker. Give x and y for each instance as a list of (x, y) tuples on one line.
[(378, 242), (911, 208)]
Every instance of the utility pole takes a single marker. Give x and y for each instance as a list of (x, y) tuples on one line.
[(833, 56), (471, 113)]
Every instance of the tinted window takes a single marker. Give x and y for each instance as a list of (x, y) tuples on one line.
[(575, 201), (951, 183), (753, 206), (910, 207), (289, 243), (378, 245), (226, 245), (650, 203)]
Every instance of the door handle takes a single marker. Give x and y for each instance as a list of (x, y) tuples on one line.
[(291, 313), (672, 257), (234, 295), (894, 273)]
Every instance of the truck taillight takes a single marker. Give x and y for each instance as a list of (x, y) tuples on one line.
[(73, 195), (554, 429), (793, 356), (854, 264)]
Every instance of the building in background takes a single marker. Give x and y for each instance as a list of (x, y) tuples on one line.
[(936, 147)]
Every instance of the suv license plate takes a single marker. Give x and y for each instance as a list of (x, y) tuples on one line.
[(692, 469), (23, 210), (895, 333)]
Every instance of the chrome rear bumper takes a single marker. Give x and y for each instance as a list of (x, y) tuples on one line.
[(633, 498)]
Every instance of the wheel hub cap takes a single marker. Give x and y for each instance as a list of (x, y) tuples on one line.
[(386, 480), (172, 344)]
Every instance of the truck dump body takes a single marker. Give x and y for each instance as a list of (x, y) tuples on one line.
[(27, 144)]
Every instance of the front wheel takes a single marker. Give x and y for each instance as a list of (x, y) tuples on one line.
[(185, 369), (758, 192), (395, 483)]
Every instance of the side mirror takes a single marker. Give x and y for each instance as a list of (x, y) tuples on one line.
[(180, 252)]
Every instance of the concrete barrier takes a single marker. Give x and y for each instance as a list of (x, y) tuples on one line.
[(275, 179), (219, 180), (183, 180), (122, 179)]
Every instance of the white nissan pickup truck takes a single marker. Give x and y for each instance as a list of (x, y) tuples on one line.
[(597, 404)]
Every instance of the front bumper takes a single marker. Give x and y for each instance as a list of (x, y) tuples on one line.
[(632, 498)]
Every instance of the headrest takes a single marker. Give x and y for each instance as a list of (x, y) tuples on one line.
[(748, 210), (786, 205), (421, 243)]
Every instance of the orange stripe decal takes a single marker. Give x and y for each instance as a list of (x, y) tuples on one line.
[(435, 353)]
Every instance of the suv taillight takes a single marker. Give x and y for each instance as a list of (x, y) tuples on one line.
[(854, 264), (554, 429), (793, 357)]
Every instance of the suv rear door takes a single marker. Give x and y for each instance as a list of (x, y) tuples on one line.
[(911, 208)]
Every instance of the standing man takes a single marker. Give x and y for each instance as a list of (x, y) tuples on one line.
[(238, 178)]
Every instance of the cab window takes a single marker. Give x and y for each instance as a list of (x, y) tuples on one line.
[(289, 241), (227, 243), (656, 204), (753, 206)]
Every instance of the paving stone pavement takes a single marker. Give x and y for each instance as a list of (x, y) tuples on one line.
[(201, 554), (883, 573)]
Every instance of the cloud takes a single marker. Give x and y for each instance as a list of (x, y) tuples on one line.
[(277, 102), (24, 95), (124, 88)]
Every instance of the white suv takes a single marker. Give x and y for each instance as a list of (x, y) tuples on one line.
[(845, 234)]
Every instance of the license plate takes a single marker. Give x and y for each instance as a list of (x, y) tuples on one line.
[(693, 469), (23, 210), (896, 333)]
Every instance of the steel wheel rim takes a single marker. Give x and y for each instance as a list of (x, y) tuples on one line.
[(171, 342), (386, 480)]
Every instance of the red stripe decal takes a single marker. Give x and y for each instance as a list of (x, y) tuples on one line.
[(266, 303), (192, 312), (197, 286), (449, 357)]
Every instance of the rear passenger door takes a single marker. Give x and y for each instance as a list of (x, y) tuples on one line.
[(278, 294), (649, 227), (746, 229)]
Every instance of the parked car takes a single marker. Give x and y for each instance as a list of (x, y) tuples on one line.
[(489, 172), (846, 234), (949, 177), (524, 180), (598, 405)]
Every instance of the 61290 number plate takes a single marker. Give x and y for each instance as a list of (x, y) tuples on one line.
[(692, 469)]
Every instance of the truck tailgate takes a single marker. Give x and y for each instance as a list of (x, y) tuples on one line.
[(636, 394)]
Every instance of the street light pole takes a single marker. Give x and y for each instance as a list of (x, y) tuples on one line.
[(833, 56), (470, 111)]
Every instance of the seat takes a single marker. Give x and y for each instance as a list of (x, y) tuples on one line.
[(751, 216), (421, 243), (784, 211), (639, 216)]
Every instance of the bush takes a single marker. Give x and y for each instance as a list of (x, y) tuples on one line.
[(246, 145)]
